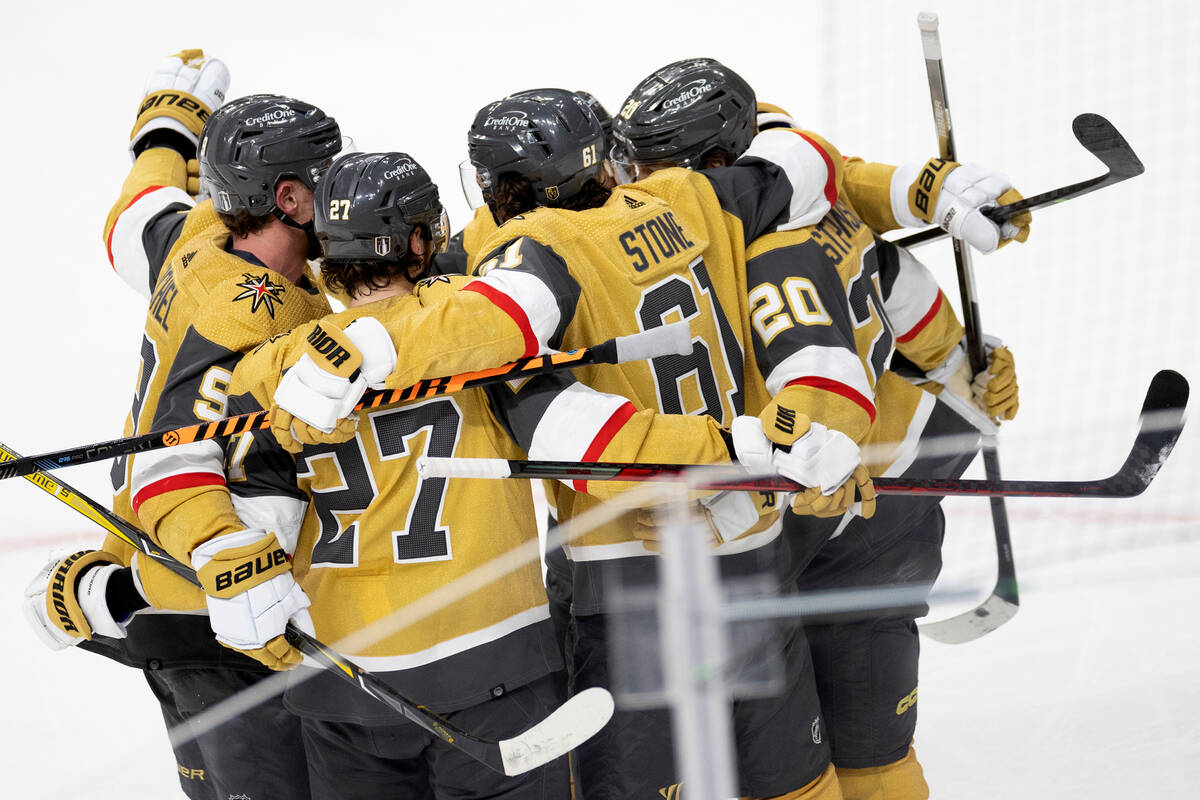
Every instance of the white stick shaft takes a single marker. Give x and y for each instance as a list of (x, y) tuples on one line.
[(432, 467), (673, 339)]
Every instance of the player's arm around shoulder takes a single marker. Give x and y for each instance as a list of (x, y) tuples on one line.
[(786, 179)]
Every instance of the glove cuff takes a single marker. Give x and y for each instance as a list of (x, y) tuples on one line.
[(921, 197), (62, 601), (234, 562), (187, 111)]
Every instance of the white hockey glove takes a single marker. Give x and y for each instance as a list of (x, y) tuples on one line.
[(953, 197), (252, 595), (984, 399), (827, 461), (180, 94), (66, 601), (314, 403)]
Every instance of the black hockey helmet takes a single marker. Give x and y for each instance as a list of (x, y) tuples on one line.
[(682, 111), (606, 122), (548, 136), (248, 145), (367, 205)]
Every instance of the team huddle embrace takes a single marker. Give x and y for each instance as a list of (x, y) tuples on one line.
[(759, 319)]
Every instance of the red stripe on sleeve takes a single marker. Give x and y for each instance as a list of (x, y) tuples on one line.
[(925, 320), (108, 241), (510, 307), (831, 181), (607, 431), (827, 385), (175, 482)]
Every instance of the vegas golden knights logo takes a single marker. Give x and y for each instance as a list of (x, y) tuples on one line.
[(552, 192)]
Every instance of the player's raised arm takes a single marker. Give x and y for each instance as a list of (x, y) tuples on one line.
[(145, 221)]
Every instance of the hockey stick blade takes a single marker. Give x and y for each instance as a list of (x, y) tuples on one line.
[(1160, 424), (672, 339), (1100, 138), (973, 624), (571, 724), (562, 730)]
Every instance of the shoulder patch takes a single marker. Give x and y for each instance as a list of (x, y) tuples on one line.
[(431, 280), (261, 291)]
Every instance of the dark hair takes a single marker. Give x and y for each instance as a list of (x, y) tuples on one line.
[(513, 195), (242, 224), (361, 277)]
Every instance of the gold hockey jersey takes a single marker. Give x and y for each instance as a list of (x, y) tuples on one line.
[(208, 307), (378, 542)]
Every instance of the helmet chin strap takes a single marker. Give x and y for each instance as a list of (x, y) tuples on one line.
[(310, 232)]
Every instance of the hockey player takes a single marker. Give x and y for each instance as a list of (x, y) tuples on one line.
[(230, 277), (574, 262), (829, 302), (466, 243), (378, 539)]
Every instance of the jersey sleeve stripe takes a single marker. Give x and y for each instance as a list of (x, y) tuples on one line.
[(842, 389), (174, 483), (831, 194), (126, 250), (835, 364), (915, 330), (512, 309), (606, 434)]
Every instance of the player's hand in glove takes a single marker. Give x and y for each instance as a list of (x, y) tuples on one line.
[(252, 595), (730, 516), (825, 460), (180, 93), (995, 389), (953, 197), (67, 601), (985, 399), (315, 401)]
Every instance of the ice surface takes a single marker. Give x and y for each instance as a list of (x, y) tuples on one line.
[(1089, 692)]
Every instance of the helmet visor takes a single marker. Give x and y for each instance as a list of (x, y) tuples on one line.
[(625, 169), (474, 182)]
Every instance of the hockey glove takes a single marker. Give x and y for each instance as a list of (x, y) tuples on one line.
[(827, 461), (953, 196), (66, 602), (252, 595), (995, 390), (730, 516), (180, 94), (315, 401), (984, 399)]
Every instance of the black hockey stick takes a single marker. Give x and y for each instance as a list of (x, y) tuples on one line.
[(1004, 599), (1159, 425), (664, 340), (1100, 138), (563, 730)]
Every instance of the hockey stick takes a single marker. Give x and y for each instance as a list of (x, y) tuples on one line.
[(1004, 599), (1100, 138), (668, 339), (1159, 425), (568, 726)]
